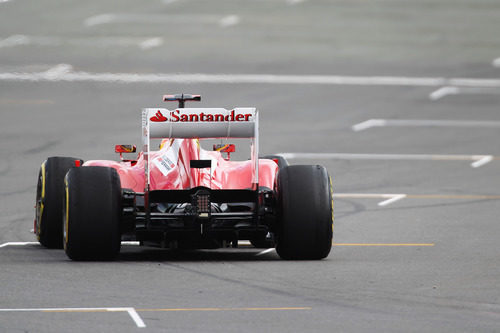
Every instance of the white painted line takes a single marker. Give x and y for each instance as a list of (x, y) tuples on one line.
[(191, 19), (482, 160), (169, 2), (423, 123), (229, 21), (58, 71), (18, 244), (294, 2), (14, 40), (131, 311), (367, 124), (150, 43), (363, 195), (4, 1), (244, 243), (442, 92), (238, 78), (37, 243), (53, 41), (99, 19), (390, 197), (264, 252), (478, 160), (496, 62), (445, 91), (131, 243), (394, 198)]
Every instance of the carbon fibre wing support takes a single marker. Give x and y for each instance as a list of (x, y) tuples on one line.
[(182, 98)]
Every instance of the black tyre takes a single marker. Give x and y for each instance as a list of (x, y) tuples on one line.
[(92, 212), (49, 200), (305, 222), (282, 162)]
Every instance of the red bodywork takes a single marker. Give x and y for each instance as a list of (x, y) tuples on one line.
[(170, 169)]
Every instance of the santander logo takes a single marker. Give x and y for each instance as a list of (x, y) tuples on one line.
[(158, 117), (176, 116)]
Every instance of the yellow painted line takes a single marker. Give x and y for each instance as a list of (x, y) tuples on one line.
[(223, 309), (383, 244)]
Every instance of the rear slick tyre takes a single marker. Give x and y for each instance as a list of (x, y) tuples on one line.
[(305, 222), (49, 200), (92, 211)]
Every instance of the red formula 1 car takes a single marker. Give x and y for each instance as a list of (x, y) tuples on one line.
[(184, 196)]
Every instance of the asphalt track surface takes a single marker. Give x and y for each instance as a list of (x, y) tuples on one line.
[(398, 99)]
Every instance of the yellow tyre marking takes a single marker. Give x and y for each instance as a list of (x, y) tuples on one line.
[(42, 195), (331, 194)]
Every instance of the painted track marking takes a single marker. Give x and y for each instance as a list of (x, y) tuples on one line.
[(416, 196), (225, 309), (445, 91), (478, 160), (131, 311), (383, 244), (144, 43), (18, 244), (80, 76), (423, 123), (111, 18), (392, 198), (264, 252), (230, 20)]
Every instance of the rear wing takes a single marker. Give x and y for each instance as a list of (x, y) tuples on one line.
[(215, 123)]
